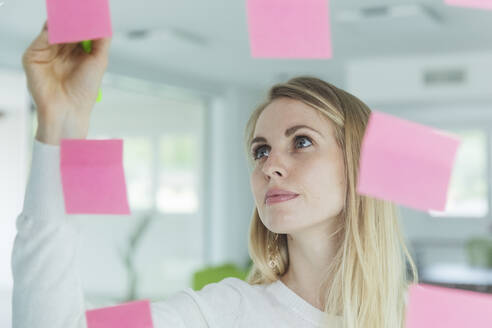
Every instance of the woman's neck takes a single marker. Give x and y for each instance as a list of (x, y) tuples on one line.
[(310, 254)]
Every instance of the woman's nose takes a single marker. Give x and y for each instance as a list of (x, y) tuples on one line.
[(274, 166)]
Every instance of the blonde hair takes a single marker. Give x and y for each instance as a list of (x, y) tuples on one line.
[(366, 282)]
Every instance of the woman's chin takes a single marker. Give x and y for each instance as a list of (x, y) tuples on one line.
[(284, 225)]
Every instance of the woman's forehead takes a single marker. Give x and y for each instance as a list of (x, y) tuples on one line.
[(285, 112)]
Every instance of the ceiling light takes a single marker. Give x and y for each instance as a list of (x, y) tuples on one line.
[(390, 11), (167, 34)]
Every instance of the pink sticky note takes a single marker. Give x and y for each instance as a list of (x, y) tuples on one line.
[(130, 315), (406, 162), (437, 307), (93, 177), (78, 20), (289, 28), (479, 4)]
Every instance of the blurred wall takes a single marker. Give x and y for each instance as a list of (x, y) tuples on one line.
[(443, 91)]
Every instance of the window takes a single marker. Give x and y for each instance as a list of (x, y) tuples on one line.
[(138, 171), (178, 175), (468, 190), (177, 179), (162, 129)]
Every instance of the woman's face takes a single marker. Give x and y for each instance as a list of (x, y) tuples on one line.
[(301, 161)]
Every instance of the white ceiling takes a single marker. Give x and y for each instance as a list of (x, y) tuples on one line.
[(225, 58)]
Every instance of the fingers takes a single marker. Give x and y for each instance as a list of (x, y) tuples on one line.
[(41, 40), (100, 50), (40, 43), (41, 51), (68, 50), (101, 46), (98, 46)]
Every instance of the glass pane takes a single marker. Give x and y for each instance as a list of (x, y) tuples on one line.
[(178, 174), (138, 171), (468, 192)]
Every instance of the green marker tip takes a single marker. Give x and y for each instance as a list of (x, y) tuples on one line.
[(99, 96), (87, 45)]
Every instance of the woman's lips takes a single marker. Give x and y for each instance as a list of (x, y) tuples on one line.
[(279, 199)]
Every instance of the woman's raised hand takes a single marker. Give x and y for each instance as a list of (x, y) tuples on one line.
[(64, 81)]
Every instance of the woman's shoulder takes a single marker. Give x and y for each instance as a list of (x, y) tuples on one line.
[(238, 283), (221, 300), (230, 290), (225, 300)]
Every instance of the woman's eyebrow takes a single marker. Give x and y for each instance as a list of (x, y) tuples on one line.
[(288, 133)]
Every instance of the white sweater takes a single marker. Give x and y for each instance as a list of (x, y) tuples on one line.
[(48, 291)]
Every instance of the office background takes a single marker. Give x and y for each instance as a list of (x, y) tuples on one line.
[(179, 90)]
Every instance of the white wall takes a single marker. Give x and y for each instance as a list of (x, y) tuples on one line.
[(401, 80), (397, 86), (232, 203)]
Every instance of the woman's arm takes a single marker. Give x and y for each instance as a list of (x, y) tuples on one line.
[(63, 81), (47, 289)]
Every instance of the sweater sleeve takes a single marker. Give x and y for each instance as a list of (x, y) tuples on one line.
[(47, 287)]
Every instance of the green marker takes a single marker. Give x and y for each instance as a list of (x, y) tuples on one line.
[(87, 46)]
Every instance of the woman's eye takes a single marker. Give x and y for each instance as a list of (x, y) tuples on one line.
[(257, 151), (298, 141), (302, 138)]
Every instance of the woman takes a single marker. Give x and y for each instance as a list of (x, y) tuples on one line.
[(323, 255)]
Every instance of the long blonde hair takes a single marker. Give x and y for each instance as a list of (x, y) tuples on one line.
[(367, 281)]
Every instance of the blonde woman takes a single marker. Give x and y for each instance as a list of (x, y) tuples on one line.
[(323, 255)]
